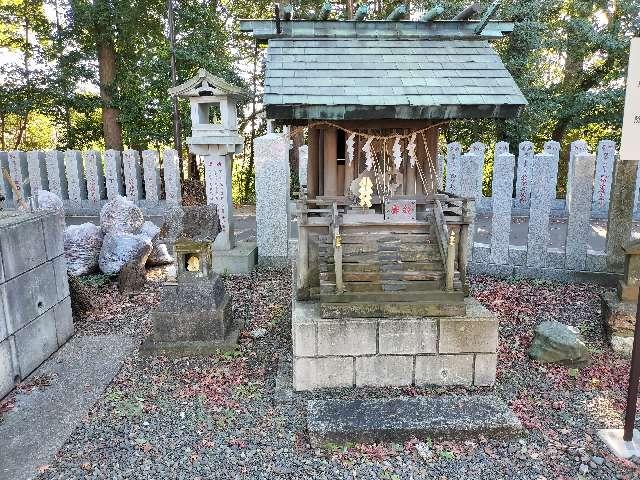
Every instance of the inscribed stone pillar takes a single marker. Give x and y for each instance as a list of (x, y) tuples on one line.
[(37, 167), (56, 174), (478, 148), (151, 169), (19, 172), (579, 201), (439, 171), (132, 174), (500, 148), (604, 174), (502, 187), (330, 162), (542, 194), (113, 174), (620, 212), (272, 198), (171, 168), (523, 181), (303, 162), (454, 157), (471, 186), (553, 148), (217, 173), (312, 164), (76, 181), (578, 147), (95, 177), (5, 188)]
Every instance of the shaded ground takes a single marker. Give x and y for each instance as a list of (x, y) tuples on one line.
[(216, 418)]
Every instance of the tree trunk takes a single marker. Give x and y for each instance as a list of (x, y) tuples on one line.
[(107, 74)]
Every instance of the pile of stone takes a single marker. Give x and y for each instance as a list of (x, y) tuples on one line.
[(122, 237)]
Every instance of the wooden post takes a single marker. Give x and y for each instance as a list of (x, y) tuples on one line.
[(303, 248), (348, 175), (451, 257), (465, 244), (312, 165), (330, 162), (337, 251)]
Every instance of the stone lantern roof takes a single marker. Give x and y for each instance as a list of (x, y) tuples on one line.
[(206, 84)]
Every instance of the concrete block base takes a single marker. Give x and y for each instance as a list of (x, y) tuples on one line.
[(241, 259), (150, 347), (355, 352), (620, 448)]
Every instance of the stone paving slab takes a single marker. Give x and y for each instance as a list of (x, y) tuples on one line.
[(398, 419), (40, 423)]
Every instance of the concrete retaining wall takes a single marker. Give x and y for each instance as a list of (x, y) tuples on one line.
[(393, 352), (35, 311)]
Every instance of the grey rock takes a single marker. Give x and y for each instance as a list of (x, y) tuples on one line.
[(584, 469), (159, 256), (47, 201), (120, 248), (597, 460), (258, 333), (82, 245), (121, 215), (197, 224), (555, 342)]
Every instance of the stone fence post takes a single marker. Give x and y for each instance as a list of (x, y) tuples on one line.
[(542, 194), (113, 174), (37, 167), (523, 181), (56, 174), (272, 198), (604, 175), (579, 202), (454, 158), (151, 170), (95, 176), (132, 174), (171, 167), (303, 160), (503, 167), (76, 181), (19, 172)]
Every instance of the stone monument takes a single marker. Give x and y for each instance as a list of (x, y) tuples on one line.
[(194, 315), (619, 309), (214, 137)]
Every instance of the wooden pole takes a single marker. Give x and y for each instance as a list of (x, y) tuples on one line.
[(451, 258), (330, 162)]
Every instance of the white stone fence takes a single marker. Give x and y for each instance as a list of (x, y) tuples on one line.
[(527, 172), (86, 180)]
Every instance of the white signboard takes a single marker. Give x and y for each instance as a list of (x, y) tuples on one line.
[(630, 144)]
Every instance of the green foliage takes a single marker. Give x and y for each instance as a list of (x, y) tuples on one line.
[(569, 58)]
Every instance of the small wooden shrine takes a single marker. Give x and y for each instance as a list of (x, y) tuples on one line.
[(378, 238)]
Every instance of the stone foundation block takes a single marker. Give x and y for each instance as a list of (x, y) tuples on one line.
[(323, 372), (347, 337), (64, 321), (444, 370), (596, 261), (30, 295), (517, 255), (384, 371), (196, 326), (22, 245), (555, 258), (473, 333), (6, 368), (485, 369), (36, 342), (408, 336), (481, 253), (304, 340)]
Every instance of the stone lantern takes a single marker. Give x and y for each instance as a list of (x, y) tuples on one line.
[(194, 315), (214, 137)]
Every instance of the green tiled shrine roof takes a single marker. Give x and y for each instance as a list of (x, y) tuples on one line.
[(387, 78)]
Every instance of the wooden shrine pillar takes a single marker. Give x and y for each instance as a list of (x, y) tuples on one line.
[(348, 175), (330, 162), (312, 165), (320, 161), (410, 179)]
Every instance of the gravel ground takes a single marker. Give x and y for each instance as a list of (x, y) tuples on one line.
[(216, 418)]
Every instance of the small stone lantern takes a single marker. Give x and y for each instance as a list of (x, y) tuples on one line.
[(194, 315)]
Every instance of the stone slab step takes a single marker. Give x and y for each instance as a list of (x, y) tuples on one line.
[(327, 286), (435, 295), (382, 276), (436, 266), (372, 247), (380, 238), (385, 309), (398, 419)]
